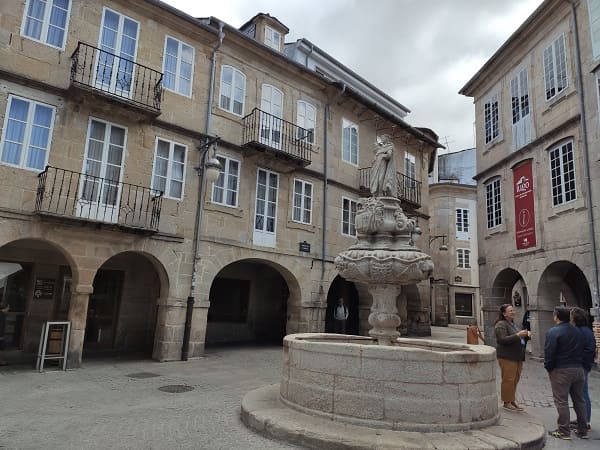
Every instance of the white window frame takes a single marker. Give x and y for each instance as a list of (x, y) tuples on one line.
[(235, 73), (463, 258), (493, 203), (597, 74), (351, 125), (554, 70), (303, 121), (225, 174), (180, 45), (27, 135), (491, 116), (169, 176), (520, 109), (270, 41), (350, 224), (594, 16), (462, 224), (304, 199), (560, 179), (46, 24)]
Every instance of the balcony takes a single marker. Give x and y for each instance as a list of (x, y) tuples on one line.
[(409, 189), (72, 195), (116, 78), (271, 134)]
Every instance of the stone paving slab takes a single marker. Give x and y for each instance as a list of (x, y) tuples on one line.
[(264, 412)]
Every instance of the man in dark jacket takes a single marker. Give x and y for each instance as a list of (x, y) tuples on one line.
[(579, 318), (563, 359)]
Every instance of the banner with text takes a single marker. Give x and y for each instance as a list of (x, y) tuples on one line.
[(524, 206)]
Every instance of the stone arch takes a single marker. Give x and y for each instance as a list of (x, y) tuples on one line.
[(349, 291), (500, 293), (37, 276), (563, 282), (122, 310), (251, 300)]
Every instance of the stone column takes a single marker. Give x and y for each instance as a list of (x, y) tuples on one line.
[(170, 324), (384, 314), (78, 317)]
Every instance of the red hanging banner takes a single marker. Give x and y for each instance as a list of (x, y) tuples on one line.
[(524, 206)]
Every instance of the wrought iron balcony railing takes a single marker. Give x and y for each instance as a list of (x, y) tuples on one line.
[(64, 193), (409, 189), (268, 132), (118, 77)]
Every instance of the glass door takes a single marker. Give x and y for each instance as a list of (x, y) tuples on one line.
[(271, 105), (265, 217), (116, 59), (100, 183)]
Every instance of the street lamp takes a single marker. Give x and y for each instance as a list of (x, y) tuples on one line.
[(443, 247)]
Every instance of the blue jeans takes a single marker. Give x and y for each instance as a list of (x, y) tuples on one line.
[(586, 396)]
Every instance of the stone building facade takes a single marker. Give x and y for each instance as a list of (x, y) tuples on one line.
[(112, 113), (453, 240), (536, 105)]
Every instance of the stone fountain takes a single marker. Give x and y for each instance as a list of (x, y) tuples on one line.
[(398, 392)]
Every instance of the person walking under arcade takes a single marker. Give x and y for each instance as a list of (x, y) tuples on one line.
[(563, 359), (511, 354)]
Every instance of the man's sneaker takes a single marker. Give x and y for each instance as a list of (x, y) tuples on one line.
[(582, 434), (559, 435)]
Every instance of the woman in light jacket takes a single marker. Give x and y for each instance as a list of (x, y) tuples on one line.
[(511, 354)]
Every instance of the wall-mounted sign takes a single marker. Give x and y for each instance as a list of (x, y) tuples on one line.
[(304, 246), (524, 206), (458, 279), (44, 289)]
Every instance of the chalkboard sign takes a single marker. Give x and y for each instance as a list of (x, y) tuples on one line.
[(54, 344), (44, 289)]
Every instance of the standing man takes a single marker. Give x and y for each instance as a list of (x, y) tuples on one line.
[(341, 316), (579, 318), (563, 359)]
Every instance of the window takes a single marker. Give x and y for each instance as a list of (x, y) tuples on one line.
[(169, 168), (305, 119), (178, 66), (27, 133), (562, 173), (555, 67), (225, 189), (490, 116), (233, 90), (519, 93), (463, 258), (410, 166), (594, 12), (463, 304), (302, 201), (349, 142), (493, 203), (46, 21), (462, 224), (273, 38), (348, 216)]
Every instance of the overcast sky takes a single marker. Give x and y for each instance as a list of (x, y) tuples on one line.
[(420, 52)]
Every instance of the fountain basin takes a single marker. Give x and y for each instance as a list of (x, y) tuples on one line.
[(413, 385)]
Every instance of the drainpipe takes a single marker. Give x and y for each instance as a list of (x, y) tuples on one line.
[(595, 310), (200, 207), (325, 180)]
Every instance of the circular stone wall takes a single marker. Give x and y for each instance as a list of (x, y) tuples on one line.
[(415, 385)]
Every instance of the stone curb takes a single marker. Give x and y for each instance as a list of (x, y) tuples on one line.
[(265, 413)]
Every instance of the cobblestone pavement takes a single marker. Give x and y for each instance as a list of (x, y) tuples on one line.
[(117, 404)]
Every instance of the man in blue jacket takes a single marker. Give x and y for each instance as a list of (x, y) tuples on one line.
[(563, 359), (579, 318)]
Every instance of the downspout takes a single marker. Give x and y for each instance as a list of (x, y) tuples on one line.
[(595, 310), (325, 181), (200, 207)]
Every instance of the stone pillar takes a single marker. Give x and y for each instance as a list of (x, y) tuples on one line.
[(78, 317), (384, 314), (170, 325), (198, 332)]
